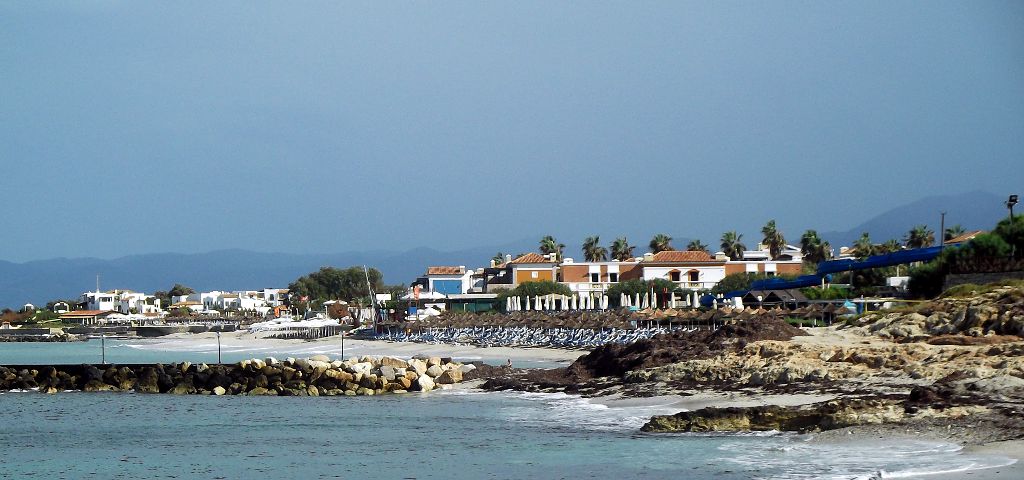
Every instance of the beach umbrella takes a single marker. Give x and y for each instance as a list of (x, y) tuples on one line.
[(714, 304), (695, 302), (636, 300), (526, 303), (672, 300), (604, 302)]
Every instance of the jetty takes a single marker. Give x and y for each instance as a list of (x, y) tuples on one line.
[(314, 376)]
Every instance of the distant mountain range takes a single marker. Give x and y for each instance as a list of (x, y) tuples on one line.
[(40, 281), (973, 211)]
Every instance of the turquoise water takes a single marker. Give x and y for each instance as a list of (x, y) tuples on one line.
[(169, 351), (455, 434), (446, 435)]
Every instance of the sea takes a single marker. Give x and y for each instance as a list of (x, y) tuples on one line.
[(449, 434)]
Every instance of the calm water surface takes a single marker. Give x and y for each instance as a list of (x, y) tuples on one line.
[(457, 434)]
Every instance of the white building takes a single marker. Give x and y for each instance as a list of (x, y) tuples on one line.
[(448, 280), (694, 270), (120, 301)]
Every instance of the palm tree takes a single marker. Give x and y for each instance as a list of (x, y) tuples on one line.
[(549, 245), (593, 252), (813, 248), (732, 245), (661, 243), (953, 232), (890, 246), (622, 250), (863, 248), (919, 237), (697, 246), (773, 239), (498, 258)]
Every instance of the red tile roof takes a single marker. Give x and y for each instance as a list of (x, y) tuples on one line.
[(445, 270), (531, 258), (685, 256)]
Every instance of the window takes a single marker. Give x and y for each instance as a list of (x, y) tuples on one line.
[(613, 277), (674, 276), (595, 277), (694, 275), (534, 274)]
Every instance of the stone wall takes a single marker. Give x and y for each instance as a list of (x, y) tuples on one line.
[(314, 376)]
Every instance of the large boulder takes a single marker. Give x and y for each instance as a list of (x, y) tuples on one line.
[(419, 366), (425, 383), (434, 370), (393, 362), (449, 377)]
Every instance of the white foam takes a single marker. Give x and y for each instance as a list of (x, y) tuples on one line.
[(797, 459), (560, 410)]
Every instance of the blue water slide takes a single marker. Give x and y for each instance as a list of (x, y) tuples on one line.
[(876, 261), (777, 283), (825, 269)]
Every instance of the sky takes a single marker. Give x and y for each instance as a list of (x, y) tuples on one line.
[(321, 127)]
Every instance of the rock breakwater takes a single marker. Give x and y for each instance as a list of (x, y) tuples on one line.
[(314, 376)]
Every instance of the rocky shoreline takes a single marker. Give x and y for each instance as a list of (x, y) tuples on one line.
[(315, 376), (953, 364)]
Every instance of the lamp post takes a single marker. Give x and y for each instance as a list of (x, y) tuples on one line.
[(1010, 202), (218, 347)]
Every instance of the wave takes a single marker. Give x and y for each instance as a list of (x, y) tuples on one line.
[(797, 458)]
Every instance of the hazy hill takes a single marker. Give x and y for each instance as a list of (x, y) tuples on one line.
[(40, 281), (973, 210)]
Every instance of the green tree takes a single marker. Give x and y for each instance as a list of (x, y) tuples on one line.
[(919, 237), (814, 249), (166, 297), (737, 281), (773, 239), (592, 251), (660, 286), (732, 245), (622, 250), (1012, 233), (532, 289), (661, 243), (549, 245), (697, 246), (498, 258), (331, 283), (953, 232), (863, 248), (890, 246), (178, 290)]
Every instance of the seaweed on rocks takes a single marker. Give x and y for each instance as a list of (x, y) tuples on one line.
[(668, 348)]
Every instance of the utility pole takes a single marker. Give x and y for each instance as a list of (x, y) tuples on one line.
[(942, 231)]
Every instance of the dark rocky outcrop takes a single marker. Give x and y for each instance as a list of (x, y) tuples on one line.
[(830, 415)]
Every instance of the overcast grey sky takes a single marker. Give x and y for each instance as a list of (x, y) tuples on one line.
[(137, 127)]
